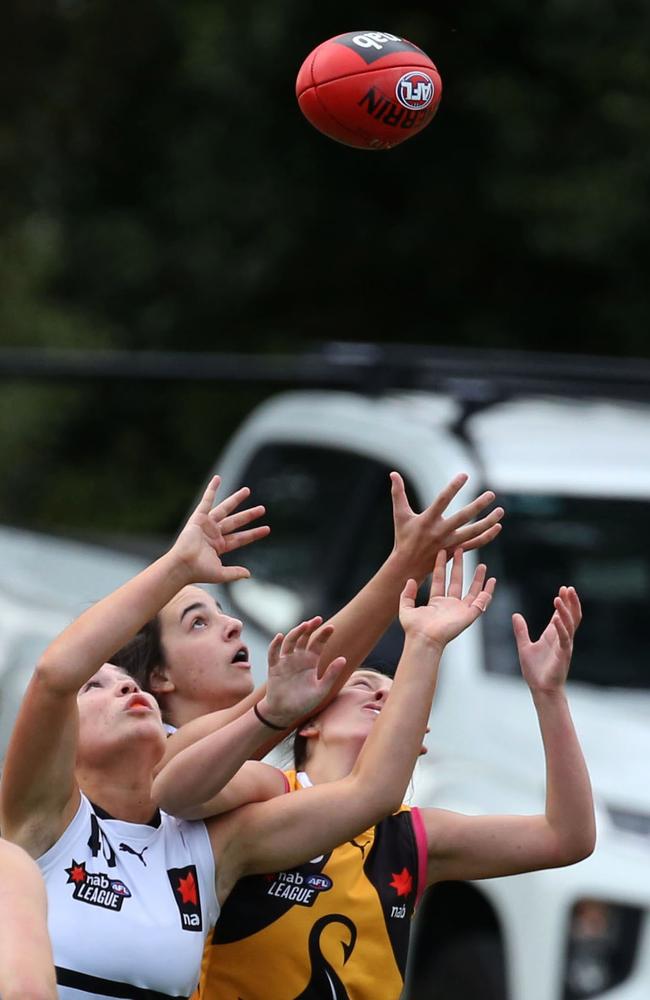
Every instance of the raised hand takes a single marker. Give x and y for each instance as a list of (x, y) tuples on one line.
[(447, 612), (212, 531), (294, 688), (545, 663), (419, 537)]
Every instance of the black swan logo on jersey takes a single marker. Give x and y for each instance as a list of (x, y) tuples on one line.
[(96, 888), (324, 983), (185, 886), (372, 45)]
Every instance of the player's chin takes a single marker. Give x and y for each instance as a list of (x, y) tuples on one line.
[(147, 722), (242, 680), (232, 687)]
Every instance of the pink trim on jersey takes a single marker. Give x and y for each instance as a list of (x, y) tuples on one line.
[(423, 851), (287, 786)]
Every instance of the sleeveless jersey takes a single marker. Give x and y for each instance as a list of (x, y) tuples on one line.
[(129, 906), (336, 928)]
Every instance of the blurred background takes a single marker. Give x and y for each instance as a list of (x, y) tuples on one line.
[(161, 192), (159, 189)]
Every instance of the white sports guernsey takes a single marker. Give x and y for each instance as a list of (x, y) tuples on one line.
[(129, 906)]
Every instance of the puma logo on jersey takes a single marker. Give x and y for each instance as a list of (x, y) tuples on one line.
[(138, 854), (360, 847), (96, 888)]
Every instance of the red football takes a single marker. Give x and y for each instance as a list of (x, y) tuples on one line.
[(368, 89)]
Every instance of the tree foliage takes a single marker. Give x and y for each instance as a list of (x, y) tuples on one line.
[(160, 189)]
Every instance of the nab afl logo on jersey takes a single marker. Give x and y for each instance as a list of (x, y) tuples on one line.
[(185, 886), (298, 886), (96, 888), (415, 90)]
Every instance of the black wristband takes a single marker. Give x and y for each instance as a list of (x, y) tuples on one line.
[(271, 725)]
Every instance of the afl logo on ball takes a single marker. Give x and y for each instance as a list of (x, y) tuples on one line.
[(415, 90)]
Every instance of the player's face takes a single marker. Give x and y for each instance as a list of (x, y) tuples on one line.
[(205, 658), (355, 709), (112, 708)]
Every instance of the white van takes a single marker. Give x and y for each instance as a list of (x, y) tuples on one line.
[(574, 478), (45, 583)]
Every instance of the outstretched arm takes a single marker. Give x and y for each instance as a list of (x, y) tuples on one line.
[(417, 540), (39, 792), (355, 630), (286, 831), (470, 847), (26, 966)]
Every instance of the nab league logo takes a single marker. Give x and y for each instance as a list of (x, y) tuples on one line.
[(185, 886), (298, 887), (96, 888), (415, 90)]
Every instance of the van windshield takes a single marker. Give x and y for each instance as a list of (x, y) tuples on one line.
[(602, 547)]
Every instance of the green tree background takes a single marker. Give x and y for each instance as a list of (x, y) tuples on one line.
[(160, 189)]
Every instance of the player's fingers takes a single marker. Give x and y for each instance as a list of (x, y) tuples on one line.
[(240, 538), (230, 503), (470, 510), (561, 630), (466, 532), (308, 631), (408, 595), (483, 599), (520, 629), (455, 588), (231, 573), (439, 575), (401, 506), (318, 641), (233, 522), (483, 539), (291, 638), (274, 649), (446, 495), (476, 586), (208, 496), (574, 605), (331, 674), (562, 609)]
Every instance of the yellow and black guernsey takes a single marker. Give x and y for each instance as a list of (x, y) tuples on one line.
[(336, 928)]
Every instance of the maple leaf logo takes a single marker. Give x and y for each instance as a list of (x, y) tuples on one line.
[(76, 872), (187, 889), (402, 883)]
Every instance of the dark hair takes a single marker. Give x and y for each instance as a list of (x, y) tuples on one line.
[(142, 654), (300, 743)]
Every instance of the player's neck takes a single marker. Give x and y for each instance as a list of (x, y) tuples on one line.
[(123, 793), (127, 800), (178, 710), (331, 763)]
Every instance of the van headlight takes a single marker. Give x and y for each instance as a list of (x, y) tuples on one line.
[(602, 943)]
